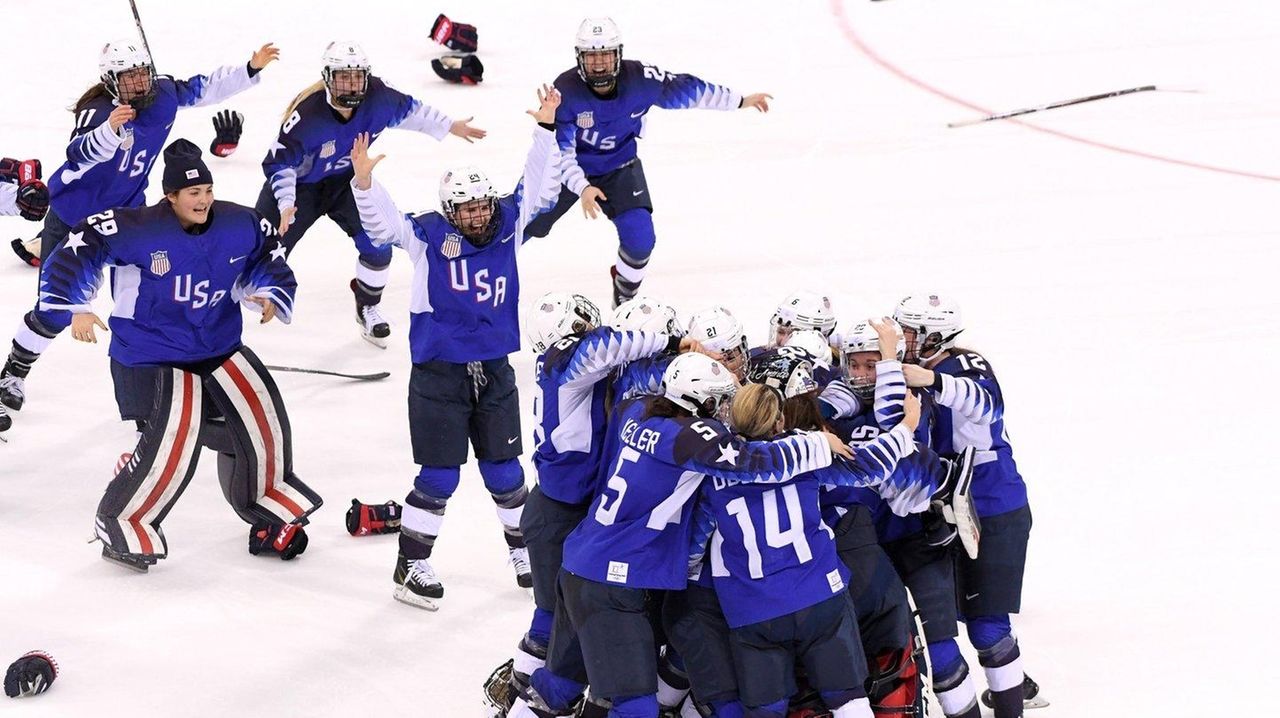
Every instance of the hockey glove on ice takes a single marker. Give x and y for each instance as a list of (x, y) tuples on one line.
[(30, 675), (228, 125), (287, 540), (33, 195), (365, 519), (459, 69), (454, 35)]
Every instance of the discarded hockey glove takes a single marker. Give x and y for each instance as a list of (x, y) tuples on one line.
[(365, 519), (33, 195), (228, 125), (287, 540), (30, 675), (459, 69), (455, 35)]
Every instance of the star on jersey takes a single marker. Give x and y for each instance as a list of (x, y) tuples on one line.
[(728, 454), (75, 241), (278, 252), (277, 145)]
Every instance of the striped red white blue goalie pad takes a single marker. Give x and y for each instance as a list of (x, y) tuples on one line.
[(146, 487), (263, 484)]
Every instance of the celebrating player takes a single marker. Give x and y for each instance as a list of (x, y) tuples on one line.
[(606, 99), (309, 167), (121, 124), (181, 269), (463, 325)]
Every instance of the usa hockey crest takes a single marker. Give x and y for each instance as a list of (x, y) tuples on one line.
[(586, 120), (160, 263), (452, 246), (329, 149)]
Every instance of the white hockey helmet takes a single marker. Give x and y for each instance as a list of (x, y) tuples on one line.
[(862, 337), (700, 384), (468, 184), (342, 55), (813, 343), (121, 56), (936, 321), (646, 314), (597, 34), (802, 310), (556, 315), (718, 330)]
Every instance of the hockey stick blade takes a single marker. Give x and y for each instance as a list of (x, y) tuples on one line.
[(358, 377), (1054, 106)]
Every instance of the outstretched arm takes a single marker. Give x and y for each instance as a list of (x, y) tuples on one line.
[(224, 82), (539, 188), (384, 222)]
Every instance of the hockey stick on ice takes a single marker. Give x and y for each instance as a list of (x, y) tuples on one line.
[(1052, 106), (143, 33), (359, 377)]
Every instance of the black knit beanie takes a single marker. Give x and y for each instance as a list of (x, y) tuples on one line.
[(183, 167)]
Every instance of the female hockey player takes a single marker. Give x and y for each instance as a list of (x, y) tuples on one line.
[(122, 122), (181, 269), (463, 326), (308, 168), (970, 414), (606, 99), (21, 193), (576, 358)]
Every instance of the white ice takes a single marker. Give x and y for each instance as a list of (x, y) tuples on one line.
[(1128, 304)]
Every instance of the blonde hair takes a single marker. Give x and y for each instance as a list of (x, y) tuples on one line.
[(315, 87), (755, 411)]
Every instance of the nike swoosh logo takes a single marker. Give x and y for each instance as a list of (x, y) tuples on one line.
[(636, 114), (236, 259), (512, 440), (971, 596), (637, 194)]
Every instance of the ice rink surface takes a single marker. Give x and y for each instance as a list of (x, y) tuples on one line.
[(1123, 299)]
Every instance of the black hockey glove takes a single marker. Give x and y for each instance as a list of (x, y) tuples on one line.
[(33, 195), (459, 69), (365, 519), (228, 125), (30, 675), (23, 250), (287, 540), (455, 35)]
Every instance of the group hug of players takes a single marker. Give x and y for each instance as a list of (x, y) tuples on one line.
[(655, 540)]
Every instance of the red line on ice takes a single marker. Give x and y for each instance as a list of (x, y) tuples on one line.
[(842, 21)]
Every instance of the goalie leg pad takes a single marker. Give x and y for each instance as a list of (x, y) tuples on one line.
[(147, 486), (263, 486)]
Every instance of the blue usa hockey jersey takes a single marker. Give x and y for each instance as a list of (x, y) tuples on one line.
[(315, 141), (598, 134), (465, 299), (570, 406), (177, 295), (106, 169), (637, 531)]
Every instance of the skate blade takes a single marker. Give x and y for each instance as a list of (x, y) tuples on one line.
[(377, 342), (404, 595), (136, 568), (1036, 702)]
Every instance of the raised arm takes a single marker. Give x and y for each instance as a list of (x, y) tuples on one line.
[(224, 82), (539, 186), (384, 222)]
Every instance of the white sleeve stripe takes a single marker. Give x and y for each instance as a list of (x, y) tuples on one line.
[(380, 217)]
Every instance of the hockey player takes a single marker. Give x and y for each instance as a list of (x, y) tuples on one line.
[(308, 167), (720, 331), (971, 415), (576, 356), (181, 270), (606, 99), (644, 377), (463, 325), (784, 591), (637, 531), (803, 309), (121, 125), (21, 193)]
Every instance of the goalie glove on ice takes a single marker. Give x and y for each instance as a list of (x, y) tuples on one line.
[(30, 675), (454, 35), (286, 540), (459, 69), (227, 126), (366, 519), (33, 195)]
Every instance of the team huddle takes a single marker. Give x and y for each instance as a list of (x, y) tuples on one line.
[(795, 529)]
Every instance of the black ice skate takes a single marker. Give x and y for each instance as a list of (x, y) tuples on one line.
[(132, 561), (1030, 695), (373, 327), (418, 584)]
